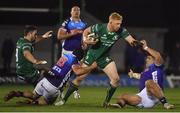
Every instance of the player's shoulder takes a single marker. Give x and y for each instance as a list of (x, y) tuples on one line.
[(83, 21), (99, 26), (71, 58), (66, 21), (154, 66), (122, 29), (22, 41)]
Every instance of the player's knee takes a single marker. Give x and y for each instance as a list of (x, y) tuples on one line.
[(114, 82), (115, 79), (79, 79), (122, 96)]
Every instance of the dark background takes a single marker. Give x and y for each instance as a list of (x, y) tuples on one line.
[(138, 13), (163, 14)]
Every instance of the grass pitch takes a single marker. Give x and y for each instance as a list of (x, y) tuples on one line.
[(90, 101)]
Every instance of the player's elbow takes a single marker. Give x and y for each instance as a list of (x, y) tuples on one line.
[(158, 58), (60, 36), (77, 72)]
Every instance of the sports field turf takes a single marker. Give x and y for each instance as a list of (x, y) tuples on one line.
[(91, 100)]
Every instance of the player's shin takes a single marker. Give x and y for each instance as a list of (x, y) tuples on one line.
[(109, 95), (71, 89)]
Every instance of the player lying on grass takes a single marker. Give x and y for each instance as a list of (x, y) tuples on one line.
[(151, 83), (49, 87)]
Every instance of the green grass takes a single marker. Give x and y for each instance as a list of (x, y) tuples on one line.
[(90, 101)]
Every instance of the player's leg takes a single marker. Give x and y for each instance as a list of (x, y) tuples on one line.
[(112, 73), (153, 89), (32, 98), (128, 99), (12, 94), (73, 86), (76, 92), (35, 101)]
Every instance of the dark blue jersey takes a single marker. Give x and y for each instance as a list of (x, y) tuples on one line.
[(155, 73), (61, 70), (74, 42)]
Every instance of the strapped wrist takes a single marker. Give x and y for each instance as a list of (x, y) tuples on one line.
[(34, 61)]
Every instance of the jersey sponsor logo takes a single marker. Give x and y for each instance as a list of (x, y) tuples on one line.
[(72, 23), (107, 59), (62, 61)]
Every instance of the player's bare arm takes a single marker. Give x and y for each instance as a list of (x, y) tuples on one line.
[(134, 75), (44, 36), (79, 70), (155, 54), (63, 34), (31, 58), (130, 40)]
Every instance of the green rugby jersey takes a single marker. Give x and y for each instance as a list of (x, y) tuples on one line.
[(106, 39), (23, 66)]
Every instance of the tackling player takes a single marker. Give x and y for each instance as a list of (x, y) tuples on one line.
[(53, 81)]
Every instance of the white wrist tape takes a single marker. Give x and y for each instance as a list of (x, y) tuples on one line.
[(145, 48), (135, 75)]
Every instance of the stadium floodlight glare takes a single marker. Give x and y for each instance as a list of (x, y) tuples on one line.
[(17, 9)]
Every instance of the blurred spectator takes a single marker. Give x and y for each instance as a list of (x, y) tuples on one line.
[(6, 54)]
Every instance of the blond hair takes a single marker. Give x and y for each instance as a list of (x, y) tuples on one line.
[(115, 16)]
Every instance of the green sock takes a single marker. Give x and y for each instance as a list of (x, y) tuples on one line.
[(71, 89), (110, 93)]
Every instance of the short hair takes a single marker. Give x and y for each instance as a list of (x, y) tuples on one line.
[(115, 16), (29, 28)]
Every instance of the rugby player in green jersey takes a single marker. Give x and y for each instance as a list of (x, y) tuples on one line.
[(105, 36), (24, 55)]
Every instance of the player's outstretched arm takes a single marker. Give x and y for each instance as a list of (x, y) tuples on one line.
[(130, 40), (63, 34), (155, 54), (79, 70), (44, 36), (133, 42)]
